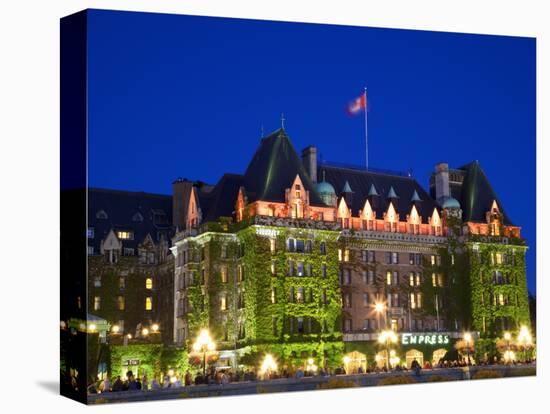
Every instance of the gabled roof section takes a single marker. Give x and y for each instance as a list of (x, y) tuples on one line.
[(121, 207), (477, 195), (221, 201), (274, 168), (363, 182)]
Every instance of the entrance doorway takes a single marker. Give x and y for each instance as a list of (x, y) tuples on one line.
[(355, 360), (413, 354)]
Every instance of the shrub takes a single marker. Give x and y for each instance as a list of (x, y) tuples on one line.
[(334, 383), (401, 379), (485, 373)]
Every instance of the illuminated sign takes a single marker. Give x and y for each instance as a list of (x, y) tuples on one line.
[(426, 339), (266, 232)]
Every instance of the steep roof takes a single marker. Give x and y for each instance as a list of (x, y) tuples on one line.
[(477, 195), (362, 181), (221, 201), (274, 168), (121, 207)]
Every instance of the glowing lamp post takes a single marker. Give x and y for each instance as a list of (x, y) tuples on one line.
[(525, 341), (379, 307), (311, 367), (268, 365), (155, 327), (387, 338), (204, 344), (468, 342)]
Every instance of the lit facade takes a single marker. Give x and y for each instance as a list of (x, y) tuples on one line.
[(278, 260)]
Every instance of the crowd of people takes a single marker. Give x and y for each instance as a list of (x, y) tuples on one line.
[(226, 376)]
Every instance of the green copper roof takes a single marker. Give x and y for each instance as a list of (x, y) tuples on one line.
[(477, 195), (347, 188), (391, 193), (325, 188), (450, 202), (274, 168), (415, 196)]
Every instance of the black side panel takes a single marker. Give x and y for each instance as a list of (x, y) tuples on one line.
[(73, 206)]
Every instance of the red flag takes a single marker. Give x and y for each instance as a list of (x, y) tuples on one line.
[(358, 105)]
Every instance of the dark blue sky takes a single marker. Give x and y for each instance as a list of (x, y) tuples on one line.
[(179, 96)]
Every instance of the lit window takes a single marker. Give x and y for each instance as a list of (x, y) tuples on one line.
[(97, 281), (273, 267), (223, 303), (120, 303), (394, 325), (388, 278), (125, 235), (148, 303), (339, 255), (223, 272), (90, 250), (97, 303), (346, 255), (411, 279), (432, 260), (272, 245), (498, 257), (300, 295), (90, 233), (272, 295), (149, 283), (121, 282)]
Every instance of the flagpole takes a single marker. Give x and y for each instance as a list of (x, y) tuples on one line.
[(366, 134)]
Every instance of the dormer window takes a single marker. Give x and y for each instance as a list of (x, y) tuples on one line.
[(101, 215), (138, 218)]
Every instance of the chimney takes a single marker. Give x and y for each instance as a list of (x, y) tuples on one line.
[(309, 159), (441, 178), (181, 189)]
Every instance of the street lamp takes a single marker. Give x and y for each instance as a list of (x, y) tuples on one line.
[(379, 307), (145, 332), (268, 365), (115, 329), (203, 344), (468, 341), (525, 340), (387, 338), (155, 327), (311, 367)]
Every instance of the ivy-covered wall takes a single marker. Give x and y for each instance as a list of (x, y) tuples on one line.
[(272, 306), (154, 360), (485, 292), (259, 310)]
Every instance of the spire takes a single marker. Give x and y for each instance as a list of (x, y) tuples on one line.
[(347, 188), (372, 191), (282, 120), (391, 193), (415, 197)]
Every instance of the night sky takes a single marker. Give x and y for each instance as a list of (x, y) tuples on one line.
[(180, 96)]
